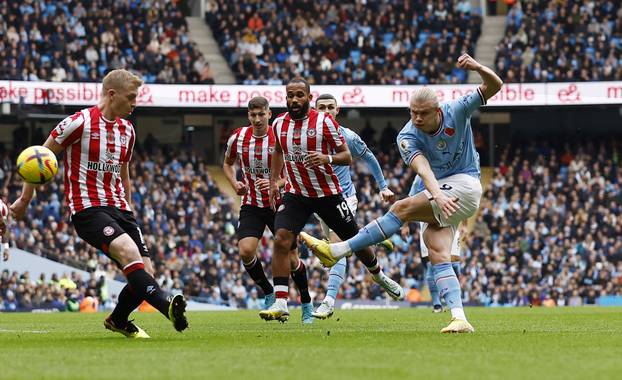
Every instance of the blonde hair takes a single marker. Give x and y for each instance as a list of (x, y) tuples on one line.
[(424, 95), (120, 78)]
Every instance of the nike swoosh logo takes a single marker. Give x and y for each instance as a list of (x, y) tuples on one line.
[(392, 292)]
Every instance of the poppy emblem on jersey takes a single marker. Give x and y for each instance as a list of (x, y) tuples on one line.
[(311, 133), (297, 134), (108, 231), (441, 145), (60, 128), (404, 146), (450, 131)]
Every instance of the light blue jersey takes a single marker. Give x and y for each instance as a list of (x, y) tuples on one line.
[(358, 149), (451, 150)]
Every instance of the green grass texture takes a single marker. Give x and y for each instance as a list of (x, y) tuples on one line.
[(509, 343)]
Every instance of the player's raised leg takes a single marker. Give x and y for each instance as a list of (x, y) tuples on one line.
[(128, 301), (125, 252)]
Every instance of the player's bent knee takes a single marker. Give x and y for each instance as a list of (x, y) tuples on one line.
[(124, 250), (283, 242)]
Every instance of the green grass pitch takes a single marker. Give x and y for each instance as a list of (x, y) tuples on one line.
[(516, 343)]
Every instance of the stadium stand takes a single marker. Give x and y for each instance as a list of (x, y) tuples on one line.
[(527, 247), (391, 42), (79, 41), (553, 41)]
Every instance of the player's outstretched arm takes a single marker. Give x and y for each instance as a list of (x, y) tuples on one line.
[(491, 81), (374, 166), (422, 167), (18, 208)]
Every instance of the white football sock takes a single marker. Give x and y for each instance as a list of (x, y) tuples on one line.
[(458, 312), (341, 249)]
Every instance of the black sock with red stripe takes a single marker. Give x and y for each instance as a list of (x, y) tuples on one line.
[(145, 287), (255, 270), (372, 265), (128, 302), (300, 279)]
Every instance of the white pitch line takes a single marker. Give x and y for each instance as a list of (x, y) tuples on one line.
[(24, 331)]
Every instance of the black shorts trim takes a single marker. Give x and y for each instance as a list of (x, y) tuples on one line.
[(99, 226), (253, 221), (295, 211)]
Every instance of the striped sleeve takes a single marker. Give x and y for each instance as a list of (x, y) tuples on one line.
[(69, 130), (230, 152), (331, 132), (130, 145)]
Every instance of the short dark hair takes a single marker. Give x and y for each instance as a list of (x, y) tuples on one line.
[(325, 97), (258, 102), (300, 80)]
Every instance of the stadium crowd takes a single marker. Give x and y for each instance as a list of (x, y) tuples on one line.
[(69, 40), (550, 41), (349, 42), (546, 233)]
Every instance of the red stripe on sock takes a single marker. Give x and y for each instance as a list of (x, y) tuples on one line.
[(133, 268), (280, 294)]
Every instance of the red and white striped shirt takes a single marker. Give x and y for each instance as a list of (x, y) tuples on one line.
[(254, 154), (95, 150), (318, 132)]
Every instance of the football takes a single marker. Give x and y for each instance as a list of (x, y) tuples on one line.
[(37, 165)]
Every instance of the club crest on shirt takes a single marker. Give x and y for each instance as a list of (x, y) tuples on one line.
[(450, 131), (311, 132), (404, 146), (442, 144), (123, 140)]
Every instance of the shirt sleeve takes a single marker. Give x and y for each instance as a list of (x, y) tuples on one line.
[(410, 147), (69, 130), (230, 152), (356, 145), (374, 167), (331, 132), (132, 142), (467, 104)]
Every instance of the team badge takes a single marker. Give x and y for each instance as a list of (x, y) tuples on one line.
[(404, 146), (450, 131), (108, 231), (311, 132), (123, 140), (442, 144)]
